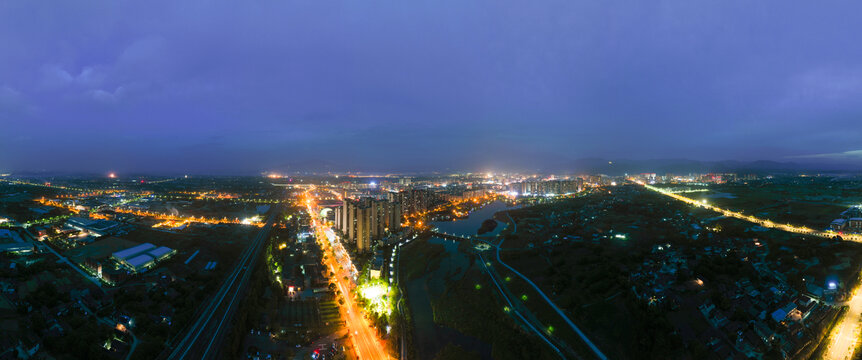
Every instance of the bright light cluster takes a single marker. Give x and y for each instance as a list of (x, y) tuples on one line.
[(164, 217), (252, 220), (376, 296)]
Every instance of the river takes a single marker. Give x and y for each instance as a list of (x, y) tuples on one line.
[(468, 226), (429, 337)]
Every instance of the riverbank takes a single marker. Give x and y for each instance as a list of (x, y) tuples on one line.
[(455, 313)]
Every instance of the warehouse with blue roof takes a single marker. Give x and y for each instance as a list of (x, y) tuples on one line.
[(142, 257)]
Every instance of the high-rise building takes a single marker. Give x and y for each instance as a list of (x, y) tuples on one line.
[(350, 221), (392, 220), (365, 220), (545, 187), (364, 223), (414, 200)]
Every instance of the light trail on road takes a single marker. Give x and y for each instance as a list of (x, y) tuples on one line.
[(762, 222), (365, 341), (845, 335), (181, 219)]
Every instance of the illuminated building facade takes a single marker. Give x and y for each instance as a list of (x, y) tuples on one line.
[(364, 220)]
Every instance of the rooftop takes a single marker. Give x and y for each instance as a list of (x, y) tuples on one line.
[(159, 252), (128, 253), (139, 261)]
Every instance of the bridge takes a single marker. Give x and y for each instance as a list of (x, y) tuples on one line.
[(450, 236)]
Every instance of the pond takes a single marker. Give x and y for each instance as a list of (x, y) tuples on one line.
[(469, 226)]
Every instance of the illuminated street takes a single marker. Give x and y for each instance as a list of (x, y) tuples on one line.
[(846, 334), (176, 219), (363, 336), (762, 222), (287, 180)]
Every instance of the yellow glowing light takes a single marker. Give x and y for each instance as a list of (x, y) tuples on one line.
[(373, 292)]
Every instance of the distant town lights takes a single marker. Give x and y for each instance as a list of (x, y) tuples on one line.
[(251, 220)]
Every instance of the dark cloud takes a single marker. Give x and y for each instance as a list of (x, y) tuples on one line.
[(148, 86)]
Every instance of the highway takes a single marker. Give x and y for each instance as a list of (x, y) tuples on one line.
[(518, 308), (598, 353), (362, 334), (762, 222), (203, 339)]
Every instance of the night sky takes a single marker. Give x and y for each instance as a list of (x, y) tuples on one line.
[(244, 86)]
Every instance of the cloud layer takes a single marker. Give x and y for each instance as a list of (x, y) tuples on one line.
[(224, 86)]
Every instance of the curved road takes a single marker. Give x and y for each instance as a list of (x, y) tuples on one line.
[(574, 327)]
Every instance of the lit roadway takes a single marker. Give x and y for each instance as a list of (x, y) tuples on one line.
[(846, 334), (363, 336), (762, 222), (204, 337)]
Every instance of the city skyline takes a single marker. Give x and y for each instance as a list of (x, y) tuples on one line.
[(755, 265), (209, 88), (430, 180)]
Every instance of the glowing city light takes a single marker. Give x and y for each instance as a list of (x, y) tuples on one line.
[(251, 220)]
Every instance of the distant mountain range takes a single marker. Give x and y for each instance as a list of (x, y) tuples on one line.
[(684, 166), (608, 166)]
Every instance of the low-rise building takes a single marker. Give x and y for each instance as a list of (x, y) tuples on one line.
[(11, 241), (838, 225), (94, 226), (142, 257)]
